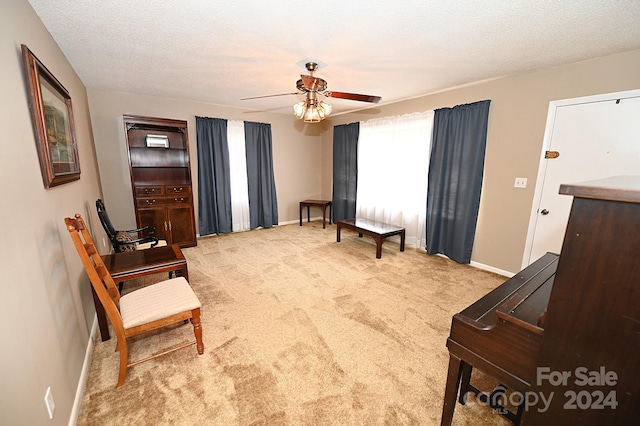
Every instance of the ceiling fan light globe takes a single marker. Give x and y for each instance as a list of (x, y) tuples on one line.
[(312, 115), (326, 108), (299, 109)]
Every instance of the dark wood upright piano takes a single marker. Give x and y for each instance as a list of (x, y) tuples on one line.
[(500, 334), (576, 314)]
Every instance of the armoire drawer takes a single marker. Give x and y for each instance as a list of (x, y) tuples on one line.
[(145, 191), (177, 190), (162, 201)]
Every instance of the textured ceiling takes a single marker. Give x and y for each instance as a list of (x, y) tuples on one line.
[(221, 51)]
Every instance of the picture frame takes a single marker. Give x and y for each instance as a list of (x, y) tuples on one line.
[(157, 141), (53, 125)]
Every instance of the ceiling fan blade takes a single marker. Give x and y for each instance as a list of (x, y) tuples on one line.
[(353, 97), (271, 96)]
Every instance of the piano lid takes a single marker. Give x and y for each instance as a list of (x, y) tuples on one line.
[(522, 296), (614, 188)]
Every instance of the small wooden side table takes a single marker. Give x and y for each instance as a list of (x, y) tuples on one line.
[(323, 204)]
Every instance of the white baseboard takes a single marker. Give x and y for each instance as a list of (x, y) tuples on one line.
[(484, 267), (492, 269), (304, 220), (84, 376)]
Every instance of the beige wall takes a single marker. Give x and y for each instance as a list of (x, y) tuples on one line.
[(47, 308), (517, 120), (303, 153), (297, 149)]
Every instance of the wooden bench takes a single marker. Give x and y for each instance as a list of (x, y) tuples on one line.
[(378, 230)]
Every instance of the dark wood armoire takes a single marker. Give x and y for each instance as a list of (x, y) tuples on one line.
[(161, 177)]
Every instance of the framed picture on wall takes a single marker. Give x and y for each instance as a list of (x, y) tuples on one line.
[(53, 126)]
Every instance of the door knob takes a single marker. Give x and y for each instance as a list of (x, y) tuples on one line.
[(544, 212)]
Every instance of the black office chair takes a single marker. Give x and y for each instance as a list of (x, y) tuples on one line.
[(127, 240)]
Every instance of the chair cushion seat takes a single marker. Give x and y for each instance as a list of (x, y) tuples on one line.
[(124, 237), (157, 301)]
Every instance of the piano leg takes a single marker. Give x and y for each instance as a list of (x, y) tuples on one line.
[(491, 399), (465, 382), (456, 366)]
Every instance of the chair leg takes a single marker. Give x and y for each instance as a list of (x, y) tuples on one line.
[(124, 359), (197, 330)]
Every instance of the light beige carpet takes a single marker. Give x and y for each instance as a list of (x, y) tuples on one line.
[(299, 330)]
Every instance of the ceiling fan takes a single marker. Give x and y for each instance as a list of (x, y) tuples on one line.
[(311, 110)]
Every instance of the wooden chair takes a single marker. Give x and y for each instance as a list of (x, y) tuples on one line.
[(149, 308), (132, 239)]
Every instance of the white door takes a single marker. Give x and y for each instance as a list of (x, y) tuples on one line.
[(594, 139)]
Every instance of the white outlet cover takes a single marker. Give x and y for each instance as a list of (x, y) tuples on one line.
[(520, 183)]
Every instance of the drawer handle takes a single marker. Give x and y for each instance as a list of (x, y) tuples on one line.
[(178, 189), (150, 202), (178, 200), (149, 191)]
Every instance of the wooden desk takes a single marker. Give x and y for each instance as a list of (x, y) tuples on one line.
[(316, 203), (378, 230), (133, 264)]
